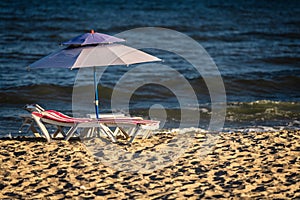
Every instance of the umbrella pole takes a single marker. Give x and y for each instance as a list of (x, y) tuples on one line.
[(96, 95)]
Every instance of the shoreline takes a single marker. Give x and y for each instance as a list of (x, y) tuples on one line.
[(240, 165)]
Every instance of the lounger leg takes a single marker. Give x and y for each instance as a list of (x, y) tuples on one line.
[(126, 136), (101, 132), (27, 122), (146, 134), (98, 132), (59, 130), (90, 132), (93, 132), (30, 123), (42, 127), (132, 131), (108, 132), (31, 127), (34, 131), (84, 133), (117, 130), (56, 133), (71, 132), (137, 128)]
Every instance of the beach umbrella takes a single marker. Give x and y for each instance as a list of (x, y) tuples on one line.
[(94, 56), (93, 38)]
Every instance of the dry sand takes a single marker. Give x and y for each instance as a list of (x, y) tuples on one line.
[(240, 165)]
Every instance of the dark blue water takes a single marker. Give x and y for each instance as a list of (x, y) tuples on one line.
[(255, 44)]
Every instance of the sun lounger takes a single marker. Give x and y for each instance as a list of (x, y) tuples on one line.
[(29, 123), (51, 117)]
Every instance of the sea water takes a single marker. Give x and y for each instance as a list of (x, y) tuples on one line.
[(255, 45)]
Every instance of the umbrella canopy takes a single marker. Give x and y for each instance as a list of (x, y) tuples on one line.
[(93, 38), (91, 56)]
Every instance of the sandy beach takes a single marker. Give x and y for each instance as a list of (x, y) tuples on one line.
[(240, 165)]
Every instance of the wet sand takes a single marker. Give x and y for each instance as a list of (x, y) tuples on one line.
[(239, 165)]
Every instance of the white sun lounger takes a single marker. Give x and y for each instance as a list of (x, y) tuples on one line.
[(30, 124), (42, 117)]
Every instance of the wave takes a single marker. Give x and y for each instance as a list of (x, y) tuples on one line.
[(263, 111), (283, 60), (32, 93), (254, 113), (264, 34), (278, 80), (277, 85)]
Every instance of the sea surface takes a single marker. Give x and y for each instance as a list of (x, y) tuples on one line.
[(254, 44)]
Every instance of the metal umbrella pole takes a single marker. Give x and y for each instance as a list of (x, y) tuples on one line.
[(96, 94)]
